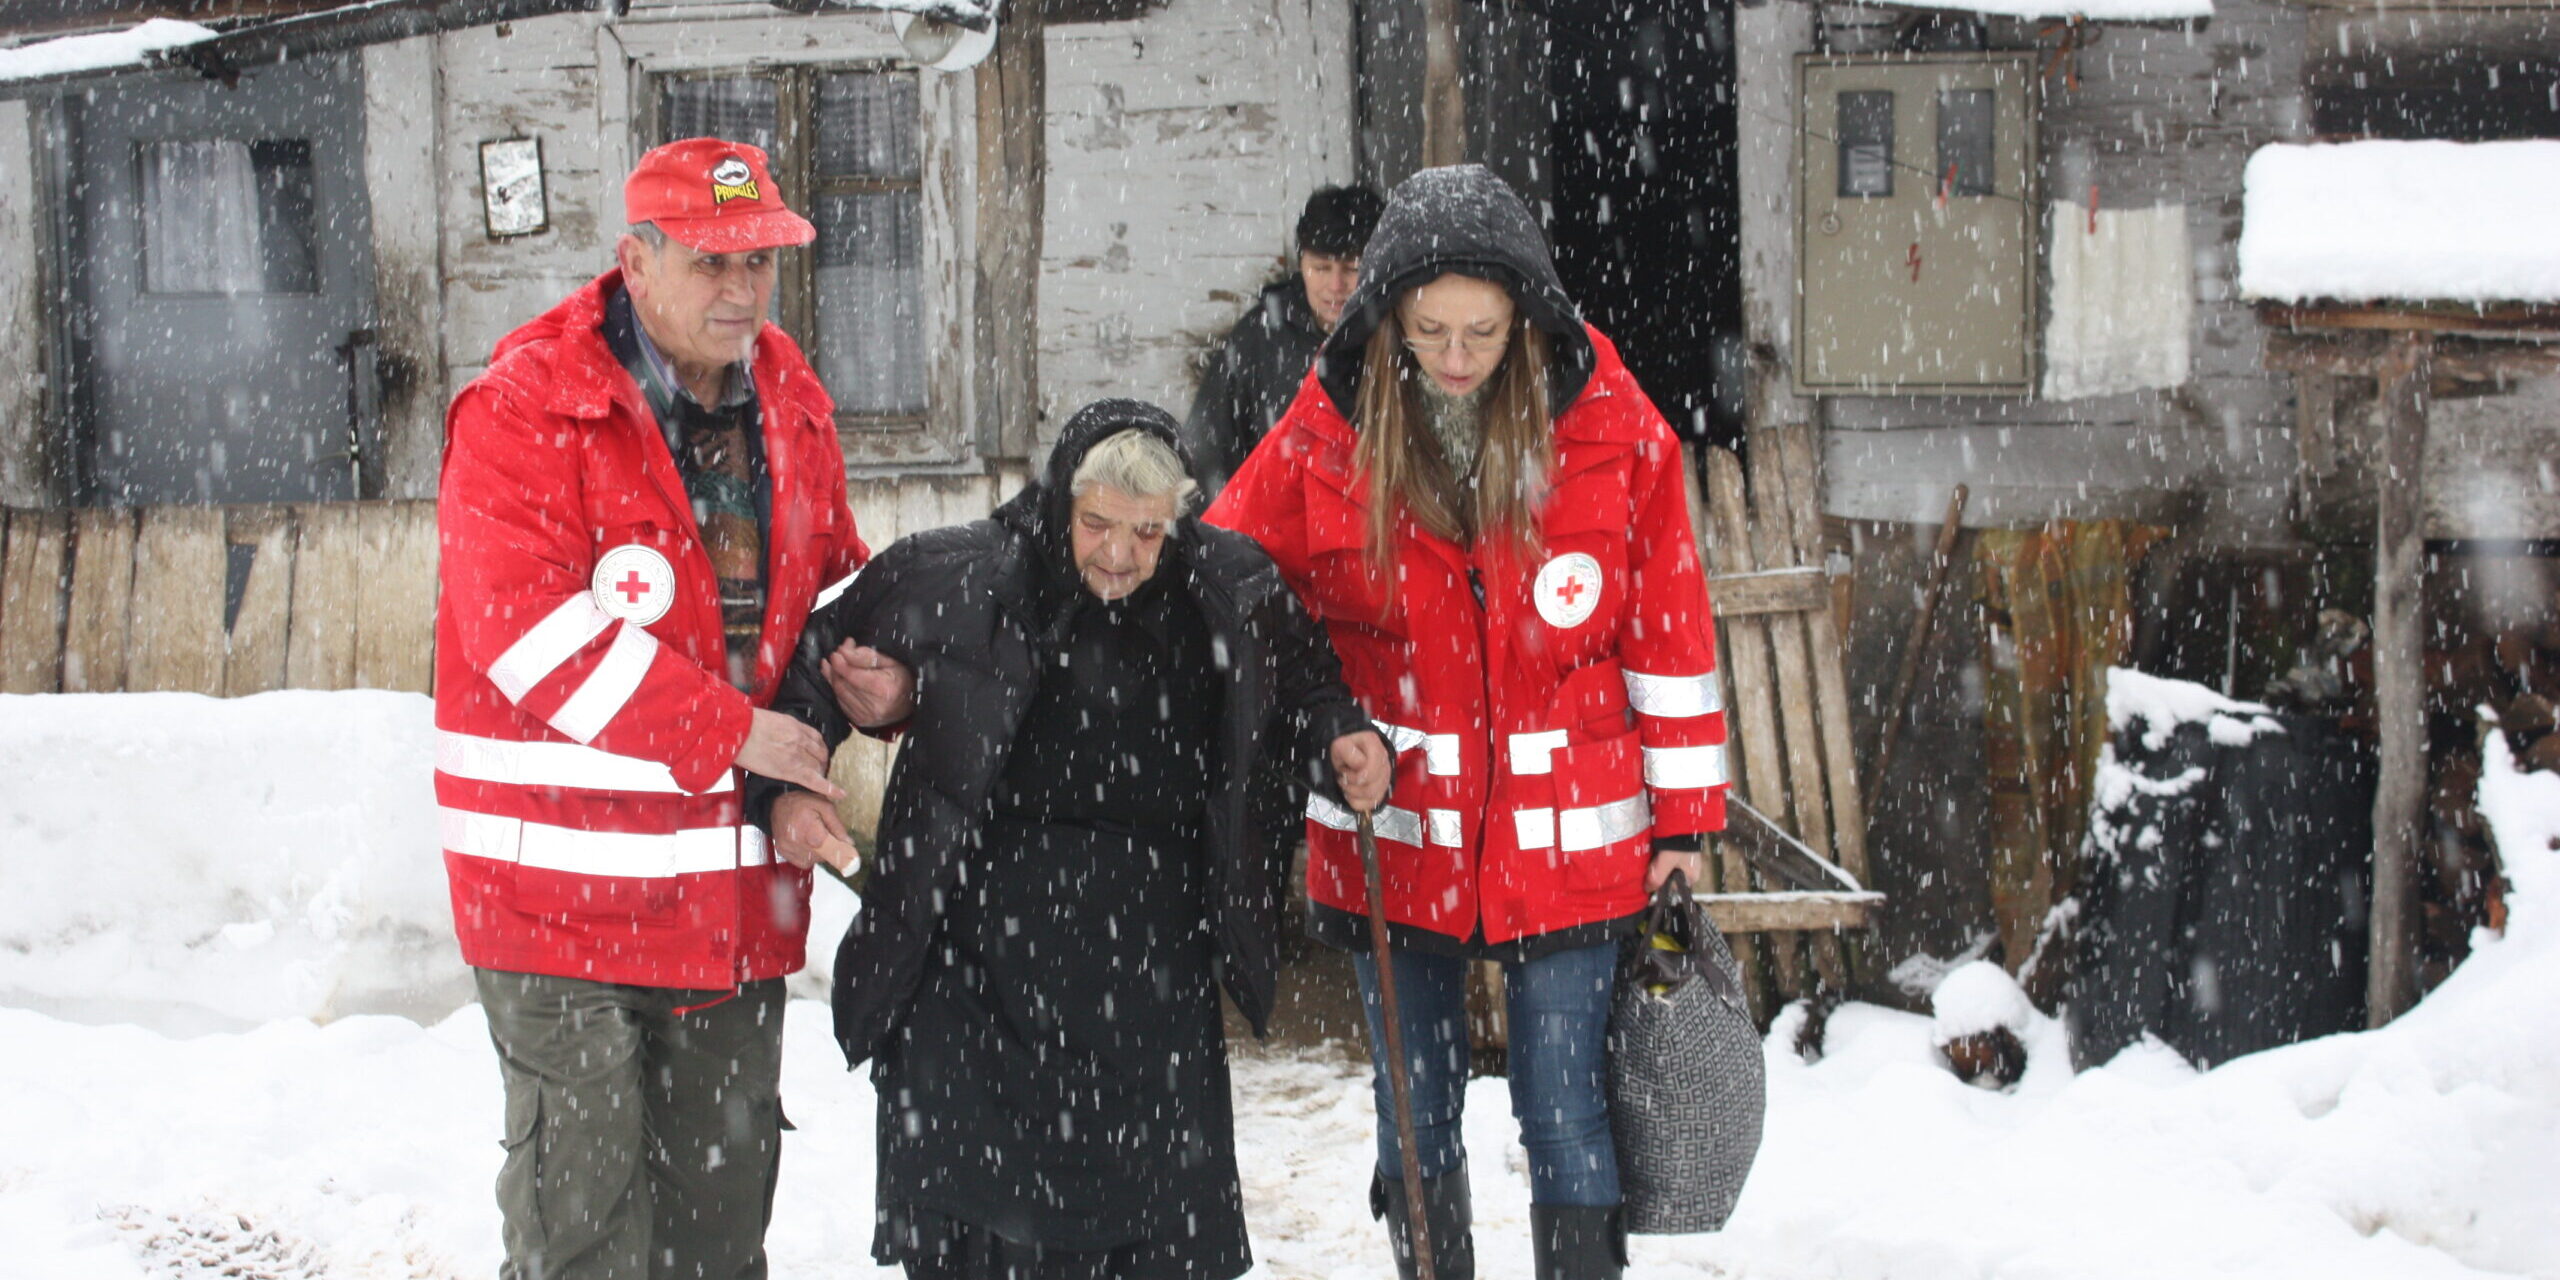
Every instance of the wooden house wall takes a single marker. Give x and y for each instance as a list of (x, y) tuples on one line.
[(1182, 142), (1181, 146), (2159, 116)]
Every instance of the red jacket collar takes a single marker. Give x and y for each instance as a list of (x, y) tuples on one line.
[(559, 360)]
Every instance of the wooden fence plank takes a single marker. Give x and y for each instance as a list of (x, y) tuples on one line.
[(1726, 870), (396, 597), (320, 652), (1775, 500), (1773, 544), (97, 628), (262, 625), (1752, 716), (1830, 676), (33, 574), (175, 640)]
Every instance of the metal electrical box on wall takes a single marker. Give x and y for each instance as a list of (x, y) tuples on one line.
[(1917, 246)]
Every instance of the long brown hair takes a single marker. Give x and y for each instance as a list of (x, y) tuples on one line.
[(1405, 468)]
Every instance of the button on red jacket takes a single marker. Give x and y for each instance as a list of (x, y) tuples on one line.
[(592, 819), (1544, 736)]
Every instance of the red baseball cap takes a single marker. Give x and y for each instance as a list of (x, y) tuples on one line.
[(714, 197)]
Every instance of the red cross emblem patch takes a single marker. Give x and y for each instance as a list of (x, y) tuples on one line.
[(634, 583), (1567, 590)]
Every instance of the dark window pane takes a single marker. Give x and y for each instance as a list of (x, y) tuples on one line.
[(1966, 160), (734, 109), (870, 290), (286, 213), (226, 216), (867, 126), (1866, 143)]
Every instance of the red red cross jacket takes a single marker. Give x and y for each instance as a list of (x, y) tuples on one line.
[(1543, 736), (592, 821)]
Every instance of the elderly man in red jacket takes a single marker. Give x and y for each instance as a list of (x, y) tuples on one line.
[(642, 497)]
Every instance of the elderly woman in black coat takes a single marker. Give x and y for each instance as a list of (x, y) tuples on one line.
[(1087, 828)]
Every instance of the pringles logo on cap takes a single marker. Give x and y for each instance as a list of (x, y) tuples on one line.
[(732, 180)]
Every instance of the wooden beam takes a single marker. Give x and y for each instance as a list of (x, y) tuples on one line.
[(2399, 650), (2361, 354), (1739, 595), (1444, 102), (1916, 644), (1830, 675), (1752, 718), (1012, 102), (2519, 318), (1790, 912)]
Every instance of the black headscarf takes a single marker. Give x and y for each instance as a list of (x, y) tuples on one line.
[(1463, 219), (1042, 511)]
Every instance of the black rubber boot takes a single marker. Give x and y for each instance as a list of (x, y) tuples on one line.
[(1448, 1213), (1577, 1242)]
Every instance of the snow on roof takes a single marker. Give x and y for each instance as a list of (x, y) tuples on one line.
[(98, 50), (2092, 10), (2357, 221)]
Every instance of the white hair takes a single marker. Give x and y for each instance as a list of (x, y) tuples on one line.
[(1138, 463)]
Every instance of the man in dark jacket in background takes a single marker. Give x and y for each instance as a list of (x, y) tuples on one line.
[(1256, 372)]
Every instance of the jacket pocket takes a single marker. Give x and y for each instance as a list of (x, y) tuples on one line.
[(1604, 822), (1592, 700), (563, 895)]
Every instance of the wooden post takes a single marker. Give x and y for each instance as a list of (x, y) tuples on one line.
[(1444, 100), (2399, 646), (1012, 195)]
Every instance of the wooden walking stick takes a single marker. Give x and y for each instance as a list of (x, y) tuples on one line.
[(1399, 1082)]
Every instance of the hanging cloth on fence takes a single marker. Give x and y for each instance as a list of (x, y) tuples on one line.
[(2058, 601)]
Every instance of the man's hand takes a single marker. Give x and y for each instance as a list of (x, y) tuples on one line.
[(871, 688), (1692, 864), (786, 750), (806, 832), (1362, 764)]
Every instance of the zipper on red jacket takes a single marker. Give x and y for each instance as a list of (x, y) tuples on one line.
[(1484, 677)]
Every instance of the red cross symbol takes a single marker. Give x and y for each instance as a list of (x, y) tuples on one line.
[(1572, 589), (632, 587)]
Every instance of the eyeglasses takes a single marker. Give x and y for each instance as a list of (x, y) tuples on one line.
[(1472, 346)]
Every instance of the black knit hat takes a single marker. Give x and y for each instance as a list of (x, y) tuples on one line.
[(1337, 220)]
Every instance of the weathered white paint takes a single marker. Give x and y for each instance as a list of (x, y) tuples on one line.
[(400, 144), (2493, 465), (1181, 146), (537, 80), (24, 479)]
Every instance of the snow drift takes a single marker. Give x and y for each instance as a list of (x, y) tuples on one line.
[(269, 862)]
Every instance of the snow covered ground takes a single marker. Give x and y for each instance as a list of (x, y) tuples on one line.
[(200, 900)]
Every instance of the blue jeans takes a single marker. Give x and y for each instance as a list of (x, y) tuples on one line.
[(1559, 1007)]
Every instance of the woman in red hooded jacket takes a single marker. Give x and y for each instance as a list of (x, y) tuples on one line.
[(1490, 519)]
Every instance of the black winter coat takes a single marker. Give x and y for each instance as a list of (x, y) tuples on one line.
[(1250, 381), (974, 609)]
